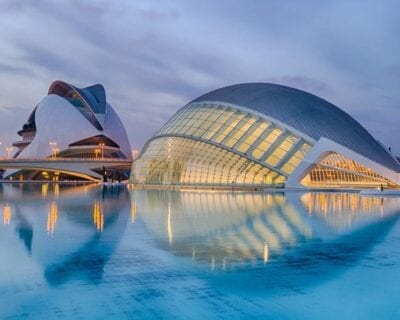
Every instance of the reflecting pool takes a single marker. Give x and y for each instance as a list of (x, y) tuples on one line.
[(87, 252)]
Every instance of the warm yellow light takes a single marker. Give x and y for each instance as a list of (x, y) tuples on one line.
[(56, 190), (133, 211), (265, 252), (7, 214), (45, 188), (52, 218), (101, 144), (98, 217), (169, 224)]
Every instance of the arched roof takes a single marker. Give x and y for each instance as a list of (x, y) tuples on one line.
[(307, 113), (91, 101)]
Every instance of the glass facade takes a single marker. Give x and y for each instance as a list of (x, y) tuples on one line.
[(214, 144), (271, 129), (175, 160), (336, 170)]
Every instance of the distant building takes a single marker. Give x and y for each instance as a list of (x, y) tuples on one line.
[(71, 123), (264, 135)]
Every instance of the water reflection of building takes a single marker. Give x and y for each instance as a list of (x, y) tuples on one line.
[(222, 227), (79, 250), (340, 209)]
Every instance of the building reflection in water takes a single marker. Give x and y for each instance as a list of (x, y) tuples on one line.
[(340, 209), (92, 221), (224, 228), (221, 227)]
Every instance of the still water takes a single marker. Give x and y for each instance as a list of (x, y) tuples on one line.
[(83, 252)]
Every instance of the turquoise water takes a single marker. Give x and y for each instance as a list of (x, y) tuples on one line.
[(86, 253)]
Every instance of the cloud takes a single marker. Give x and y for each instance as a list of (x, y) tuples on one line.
[(154, 56)]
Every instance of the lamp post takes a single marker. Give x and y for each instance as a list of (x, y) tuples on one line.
[(102, 150), (9, 150), (52, 146), (55, 150)]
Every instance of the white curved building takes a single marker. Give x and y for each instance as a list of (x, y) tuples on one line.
[(71, 123), (264, 135)]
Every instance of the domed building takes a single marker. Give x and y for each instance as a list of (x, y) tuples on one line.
[(264, 135), (71, 123)]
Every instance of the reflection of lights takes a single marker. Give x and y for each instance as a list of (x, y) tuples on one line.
[(52, 218), (212, 263), (169, 225), (45, 188), (193, 253), (133, 211), (98, 217), (265, 252), (342, 207), (56, 190), (7, 214)]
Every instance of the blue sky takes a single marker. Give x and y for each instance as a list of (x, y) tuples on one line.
[(155, 56)]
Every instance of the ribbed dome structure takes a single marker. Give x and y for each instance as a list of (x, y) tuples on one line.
[(264, 135), (307, 113)]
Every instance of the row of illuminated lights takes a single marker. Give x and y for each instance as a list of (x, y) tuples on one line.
[(98, 152), (243, 132), (52, 216)]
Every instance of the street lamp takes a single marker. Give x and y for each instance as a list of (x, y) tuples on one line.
[(9, 150), (53, 146), (55, 150), (102, 149)]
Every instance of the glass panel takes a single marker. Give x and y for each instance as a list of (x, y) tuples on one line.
[(170, 160), (338, 170), (266, 143)]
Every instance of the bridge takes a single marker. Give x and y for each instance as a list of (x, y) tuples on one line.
[(89, 169)]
